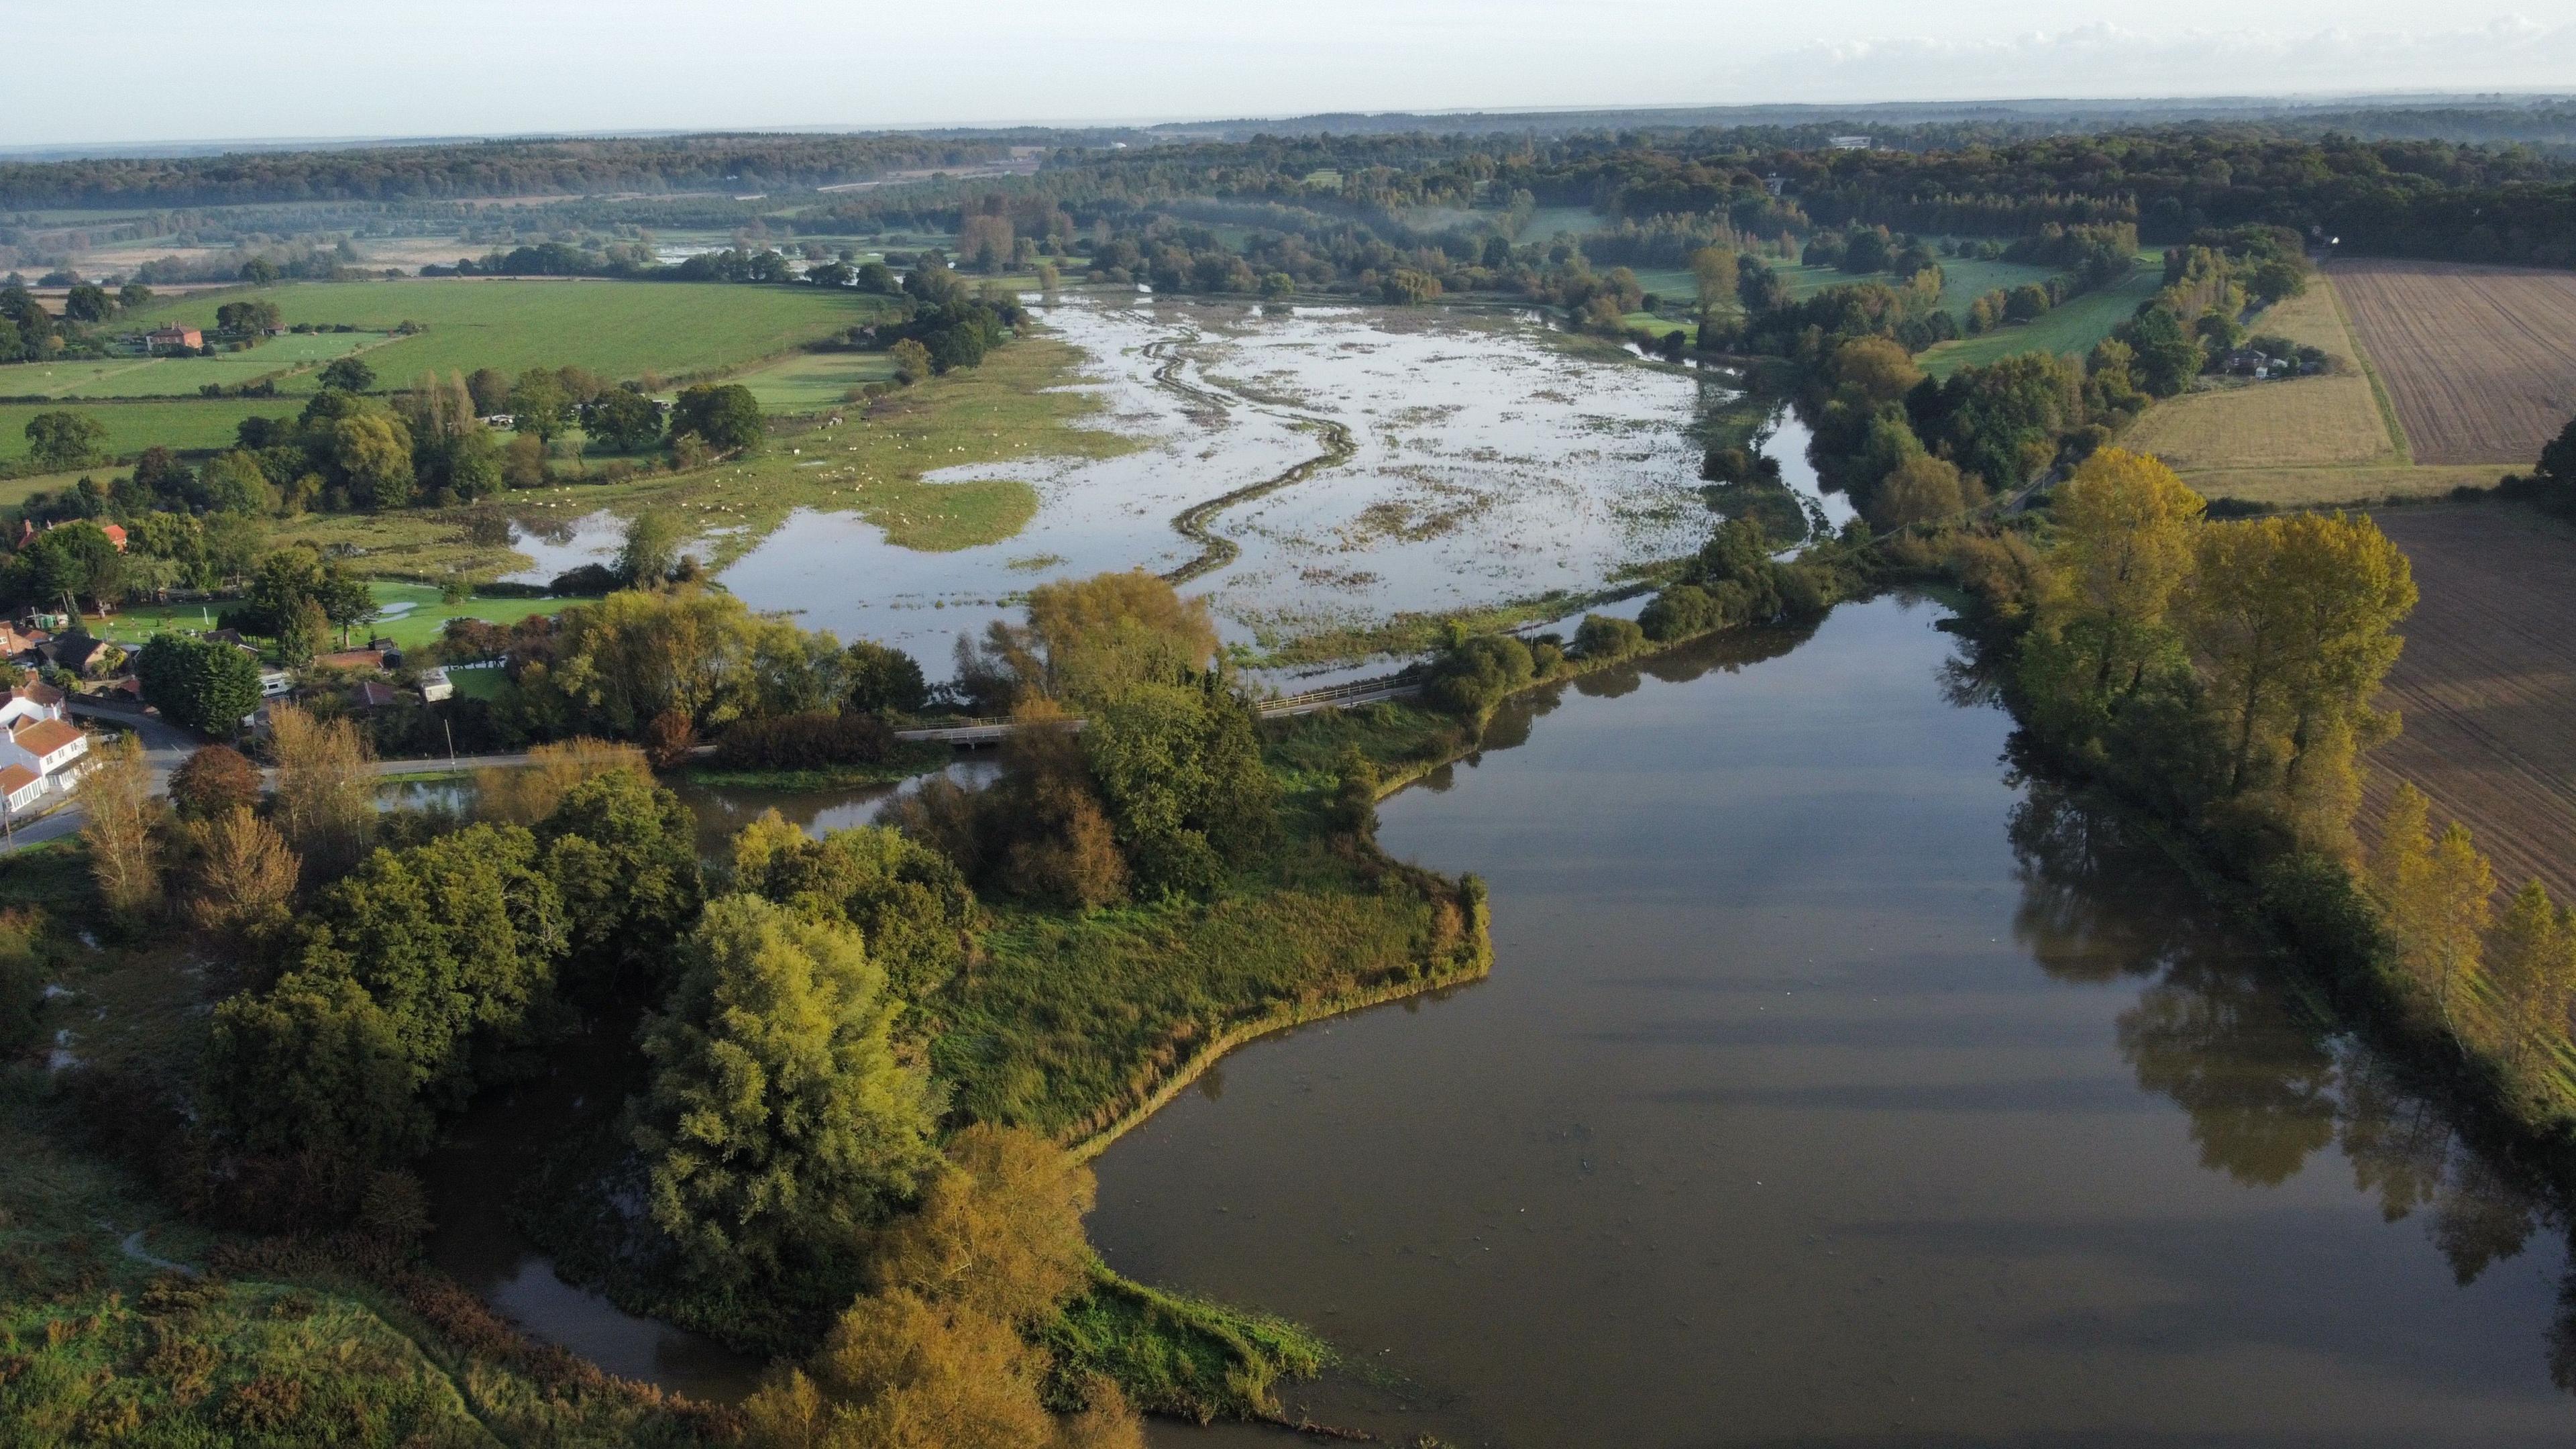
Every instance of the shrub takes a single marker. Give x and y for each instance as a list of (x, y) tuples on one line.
[(1473, 675), (808, 741), (1678, 613), (214, 782), (1602, 638)]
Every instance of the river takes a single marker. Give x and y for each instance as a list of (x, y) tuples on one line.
[(1836, 1086)]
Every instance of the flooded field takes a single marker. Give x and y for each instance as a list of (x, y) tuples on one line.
[(1836, 1086), (1320, 470)]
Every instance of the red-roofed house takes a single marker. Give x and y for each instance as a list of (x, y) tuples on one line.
[(29, 702), (53, 748), (20, 786), (161, 337)]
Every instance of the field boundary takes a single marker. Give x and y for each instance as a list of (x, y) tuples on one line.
[(2378, 385)]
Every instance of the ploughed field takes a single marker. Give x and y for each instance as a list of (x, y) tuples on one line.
[(2480, 361), (2488, 684)]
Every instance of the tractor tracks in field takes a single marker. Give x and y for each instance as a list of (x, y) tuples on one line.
[(1195, 522)]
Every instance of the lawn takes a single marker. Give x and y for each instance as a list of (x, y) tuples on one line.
[(135, 426), (813, 382), (2074, 327), (617, 329), (181, 376), (414, 615)]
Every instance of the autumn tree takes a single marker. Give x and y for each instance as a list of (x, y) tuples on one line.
[(213, 782), (528, 793), (2532, 960), (1922, 489), (1715, 271), (909, 901), (326, 788), (123, 833), (999, 1230), (2435, 897), (241, 877), (781, 1125), (2126, 528)]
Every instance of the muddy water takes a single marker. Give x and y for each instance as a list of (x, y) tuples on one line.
[(1834, 1087)]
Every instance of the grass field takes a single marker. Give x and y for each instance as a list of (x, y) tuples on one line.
[(813, 382), (2487, 684), (135, 426), (414, 615), (181, 376), (2074, 327), (2313, 487), (2479, 361), (2298, 422), (617, 329)]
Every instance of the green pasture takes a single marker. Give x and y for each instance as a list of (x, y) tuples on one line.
[(1546, 221), (617, 329), (167, 377), (2074, 327), (813, 382), (135, 426), (414, 615)]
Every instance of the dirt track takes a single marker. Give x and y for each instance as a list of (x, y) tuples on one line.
[(2479, 361), (2488, 685)]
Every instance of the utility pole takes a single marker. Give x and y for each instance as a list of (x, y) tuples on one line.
[(443, 723)]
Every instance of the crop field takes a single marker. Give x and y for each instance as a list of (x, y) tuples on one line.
[(617, 329), (2479, 361), (2074, 327), (182, 376), (2487, 684), (2300, 422), (134, 426), (814, 382)]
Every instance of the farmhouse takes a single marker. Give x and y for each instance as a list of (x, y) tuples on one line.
[(161, 337)]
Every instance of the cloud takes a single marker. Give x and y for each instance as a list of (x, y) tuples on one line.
[(2106, 59)]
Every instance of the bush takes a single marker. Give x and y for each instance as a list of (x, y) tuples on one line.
[(1602, 638), (1678, 613), (808, 741), (1473, 675)]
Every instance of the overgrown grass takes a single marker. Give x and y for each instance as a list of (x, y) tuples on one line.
[(2074, 327), (909, 758), (815, 382), (1177, 1355)]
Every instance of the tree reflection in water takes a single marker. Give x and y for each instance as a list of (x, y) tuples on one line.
[(2262, 1072)]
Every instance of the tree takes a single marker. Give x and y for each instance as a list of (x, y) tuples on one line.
[(259, 272), (633, 655), (1715, 271), (2435, 898), (1180, 771), (213, 782), (2533, 963), (123, 833), (911, 361), (901, 1373), (531, 792), (2126, 527), (304, 633), (76, 560), (651, 551), (233, 482), (623, 854), (198, 684), (538, 403), (349, 374), (241, 875), (2557, 463), (489, 387), (1922, 489), (623, 421), (2167, 357), (88, 303), (371, 456), (883, 680), (134, 296), (1101, 634), (910, 902), (781, 1125), (726, 418), (63, 440), (326, 794), (999, 1231)]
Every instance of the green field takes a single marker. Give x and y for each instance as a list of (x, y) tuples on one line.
[(2074, 327), (416, 615), (617, 329), (135, 426), (1546, 221), (813, 382), (182, 376)]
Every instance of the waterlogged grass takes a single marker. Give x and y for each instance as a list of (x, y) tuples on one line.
[(1286, 643), (1178, 1355), (815, 382), (616, 329)]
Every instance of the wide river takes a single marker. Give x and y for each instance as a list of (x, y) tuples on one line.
[(1835, 1086)]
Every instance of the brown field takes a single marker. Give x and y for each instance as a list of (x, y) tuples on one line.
[(2300, 422), (2488, 686), (2480, 361)]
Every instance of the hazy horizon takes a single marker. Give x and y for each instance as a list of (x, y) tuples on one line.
[(477, 67)]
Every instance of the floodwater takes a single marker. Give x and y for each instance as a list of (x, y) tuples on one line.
[(1462, 460), (1834, 1086)]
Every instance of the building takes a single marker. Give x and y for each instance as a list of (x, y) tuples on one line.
[(370, 694), (20, 787), (435, 685), (52, 748), (351, 659), (77, 652), (168, 337), (1847, 143), (30, 703)]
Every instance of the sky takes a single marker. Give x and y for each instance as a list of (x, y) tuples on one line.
[(198, 70)]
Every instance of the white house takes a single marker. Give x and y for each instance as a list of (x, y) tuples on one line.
[(20, 786), (53, 748), (435, 685), (35, 700)]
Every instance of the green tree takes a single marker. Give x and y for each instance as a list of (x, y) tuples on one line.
[(62, 440), (2533, 963), (911, 361), (1715, 271), (88, 302), (74, 560), (623, 854), (910, 902), (623, 421), (1180, 770), (651, 552), (259, 272), (883, 680), (726, 418), (349, 374), (538, 403), (370, 455), (233, 482), (2557, 463), (781, 1125), (198, 684)]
